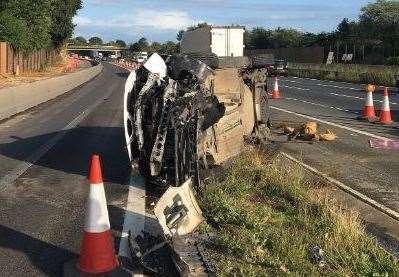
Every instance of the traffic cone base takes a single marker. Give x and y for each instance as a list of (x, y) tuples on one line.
[(97, 253), (276, 95), (385, 118), (369, 112)]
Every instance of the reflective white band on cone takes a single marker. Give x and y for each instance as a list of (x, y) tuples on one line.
[(97, 220)]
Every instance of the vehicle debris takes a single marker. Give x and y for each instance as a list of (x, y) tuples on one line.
[(316, 255), (384, 144), (181, 117), (308, 131)]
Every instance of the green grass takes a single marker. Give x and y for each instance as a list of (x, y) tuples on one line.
[(364, 74), (267, 217)]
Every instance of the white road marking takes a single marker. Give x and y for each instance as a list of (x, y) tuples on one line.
[(321, 105), (342, 186), (134, 213), (360, 98), (305, 89), (333, 86), (334, 94), (333, 124), (330, 81), (32, 159)]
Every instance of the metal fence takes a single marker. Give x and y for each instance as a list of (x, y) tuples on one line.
[(16, 62)]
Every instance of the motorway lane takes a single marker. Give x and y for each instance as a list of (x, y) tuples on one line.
[(349, 159), (42, 198)]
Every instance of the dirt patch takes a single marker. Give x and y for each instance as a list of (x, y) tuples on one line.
[(61, 67)]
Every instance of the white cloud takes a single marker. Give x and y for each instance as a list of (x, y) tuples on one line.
[(161, 20), (82, 21), (172, 20)]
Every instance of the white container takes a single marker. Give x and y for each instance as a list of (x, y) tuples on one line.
[(223, 41)]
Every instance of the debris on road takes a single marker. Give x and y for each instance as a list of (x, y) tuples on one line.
[(308, 131), (384, 144), (316, 255)]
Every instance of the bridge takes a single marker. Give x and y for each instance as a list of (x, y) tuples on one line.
[(98, 48)]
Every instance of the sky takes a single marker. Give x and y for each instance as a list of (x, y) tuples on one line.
[(159, 20)]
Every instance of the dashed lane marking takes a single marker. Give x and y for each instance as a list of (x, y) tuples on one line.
[(321, 105), (45, 148), (364, 133), (342, 186), (335, 94), (304, 89)]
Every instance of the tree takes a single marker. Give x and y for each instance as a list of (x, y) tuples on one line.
[(380, 20), (155, 47), (34, 24), (120, 43), (96, 41), (259, 38), (62, 13), (80, 41), (140, 46), (283, 38), (343, 28), (169, 48)]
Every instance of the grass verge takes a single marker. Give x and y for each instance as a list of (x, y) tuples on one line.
[(363, 74), (266, 218)]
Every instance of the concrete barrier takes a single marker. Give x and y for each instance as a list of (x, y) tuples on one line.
[(14, 100)]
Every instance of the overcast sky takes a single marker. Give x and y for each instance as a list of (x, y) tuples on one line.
[(159, 20)]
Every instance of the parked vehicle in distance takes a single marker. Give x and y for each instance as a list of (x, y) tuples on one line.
[(142, 57), (280, 68)]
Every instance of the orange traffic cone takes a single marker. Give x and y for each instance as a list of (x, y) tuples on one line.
[(385, 116), (276, 92), (97, 251), (368, 110)]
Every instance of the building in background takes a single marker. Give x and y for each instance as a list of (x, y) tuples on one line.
[(224, 41)]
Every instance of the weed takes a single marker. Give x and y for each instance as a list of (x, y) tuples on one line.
[(266, 218)]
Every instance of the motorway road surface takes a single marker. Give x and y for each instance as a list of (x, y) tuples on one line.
[(44, 155), (350, 159)]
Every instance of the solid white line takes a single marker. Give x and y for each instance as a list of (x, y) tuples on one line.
[(32, 159), (333, 124), (134, 213), (342, 186)]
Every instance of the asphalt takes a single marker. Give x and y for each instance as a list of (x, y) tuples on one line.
[(44, 156), (349, 159)]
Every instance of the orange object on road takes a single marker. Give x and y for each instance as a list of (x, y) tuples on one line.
[(97, 253), (368, 110), (385, 116), (276, 91)]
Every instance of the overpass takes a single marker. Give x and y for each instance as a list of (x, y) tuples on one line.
[(98, 48)]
